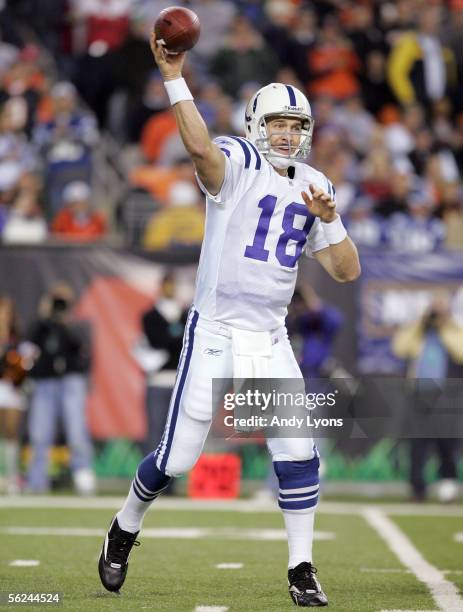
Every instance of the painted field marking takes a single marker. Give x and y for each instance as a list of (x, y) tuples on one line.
[(385, 570), (458, 537), (182, 533), (211, 609), (444, 592), (237, 505), (229, 565), (24, 563)]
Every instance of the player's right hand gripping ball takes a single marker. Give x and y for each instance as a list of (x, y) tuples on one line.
[(177, 28)]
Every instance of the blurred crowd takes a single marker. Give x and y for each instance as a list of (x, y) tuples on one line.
[(385, 81)]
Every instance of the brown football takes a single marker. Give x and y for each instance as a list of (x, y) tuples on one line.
[(178, 28)]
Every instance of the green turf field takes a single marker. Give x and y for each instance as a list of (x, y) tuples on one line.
[(358, 570)]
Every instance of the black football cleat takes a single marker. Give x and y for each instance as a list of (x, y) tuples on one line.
[(304, 588), (113, 562)]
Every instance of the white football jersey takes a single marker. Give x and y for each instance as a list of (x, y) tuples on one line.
[(257, 227)]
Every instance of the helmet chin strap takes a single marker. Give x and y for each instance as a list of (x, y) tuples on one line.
[(279, 162)]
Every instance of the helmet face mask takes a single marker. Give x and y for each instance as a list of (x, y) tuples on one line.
[(279, 101)]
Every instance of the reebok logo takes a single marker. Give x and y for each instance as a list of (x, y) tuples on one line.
[(213, 352)]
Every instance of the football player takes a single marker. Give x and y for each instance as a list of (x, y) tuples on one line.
[(265, 207)]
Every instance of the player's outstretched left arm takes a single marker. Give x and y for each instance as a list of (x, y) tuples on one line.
[(340, 259), (208, 159)]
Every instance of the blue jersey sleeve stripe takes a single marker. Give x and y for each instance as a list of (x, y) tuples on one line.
[(226, 151), (246, 151), (256, 152), (292, 96)]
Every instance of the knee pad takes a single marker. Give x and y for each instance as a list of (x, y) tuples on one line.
[(299, 484), (180, 464), (149, 481)]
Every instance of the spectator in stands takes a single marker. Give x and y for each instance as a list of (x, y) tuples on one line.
[(104, 26), (433, 349), (8, 55), (333, 63), (395, 200), (357, 123), (315, 323), (77, 221), (420, 66), (216, 19), (423, 148), (397, 18), (302, 36), (328, 141), (223, 118), (281, 15), (376, 177), (179, 224), (153, 101), (239, 107), (10, 173), (131, 87), (156, 133), (362, 30), (375, 89), (366, 228), (26, 223), (418, 231), (244, 57), (451, 210), (454, 38), (158, 180), (60, 375), (162, 327), (12, 401), (344, 174), (14, 144), (66, 143), (400, 134), (23, 85)]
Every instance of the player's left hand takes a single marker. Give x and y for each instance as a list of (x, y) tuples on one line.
[(320, 205)]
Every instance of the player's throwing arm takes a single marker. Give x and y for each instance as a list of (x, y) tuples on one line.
[(206, 156)]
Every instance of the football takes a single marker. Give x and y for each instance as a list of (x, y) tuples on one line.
[(177, 28)]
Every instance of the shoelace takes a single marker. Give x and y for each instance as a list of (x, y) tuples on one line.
[(305, 578), (120, 548)]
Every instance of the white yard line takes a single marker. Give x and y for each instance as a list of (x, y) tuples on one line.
[(183, 533), (211, 609), (458, 537), (237, 505), (444, 592), (24, 563), (229, 566), (378, 570)]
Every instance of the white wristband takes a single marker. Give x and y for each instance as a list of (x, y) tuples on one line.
[(334, 231), (177, 90)]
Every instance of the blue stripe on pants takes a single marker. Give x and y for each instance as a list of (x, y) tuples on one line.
[(178, 394)]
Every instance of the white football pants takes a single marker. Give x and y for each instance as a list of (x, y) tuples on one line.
[(206, 355)]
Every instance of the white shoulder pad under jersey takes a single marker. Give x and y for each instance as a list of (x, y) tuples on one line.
[(242, 161)]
